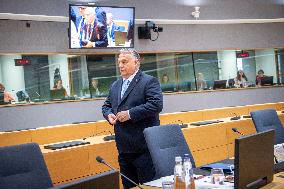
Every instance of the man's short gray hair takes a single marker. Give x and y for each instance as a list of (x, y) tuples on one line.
[(91, 10), (132, 51)]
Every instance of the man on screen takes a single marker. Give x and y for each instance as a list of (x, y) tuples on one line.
[(111, 27), (95, 29), (133, 104)]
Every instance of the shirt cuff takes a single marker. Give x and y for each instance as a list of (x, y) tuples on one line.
[(128, 114)]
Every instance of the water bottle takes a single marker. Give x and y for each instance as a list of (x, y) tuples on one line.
[(179, 174), (187, 166)]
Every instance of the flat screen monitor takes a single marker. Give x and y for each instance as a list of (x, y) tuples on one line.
[(168, 87), (254, 160), (92, 26), (220, 84), (2, 98), (267, 80), (184, 86), (57, 94), (231, 82)]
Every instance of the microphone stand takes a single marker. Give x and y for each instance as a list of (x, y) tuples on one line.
[(103, 162)]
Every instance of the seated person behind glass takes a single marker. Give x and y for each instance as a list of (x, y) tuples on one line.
[(165, 79), (166, 85), (200, 82), (58, 86), (259, 78), (94, 88), (111, 27), (95, 28), (7, 96), (241, 79)]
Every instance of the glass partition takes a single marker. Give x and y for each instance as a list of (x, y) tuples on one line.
[(280, 65), (185, 72), (102, 72), (206, 68), (71, 77)]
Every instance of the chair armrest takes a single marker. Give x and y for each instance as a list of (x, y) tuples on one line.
[(106, 180), (279, 167)]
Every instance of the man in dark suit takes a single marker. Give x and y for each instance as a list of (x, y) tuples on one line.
[(95, 28), (133, 104), (112, 27)]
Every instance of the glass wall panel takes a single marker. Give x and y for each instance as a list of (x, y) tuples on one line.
[(265, 60), (37, 78), (148, 64), (247, 65), (12, 76), (280, 63), (185, 72), (227, 64), (79, 80), (102, 72), (167, 75), (206, 68)]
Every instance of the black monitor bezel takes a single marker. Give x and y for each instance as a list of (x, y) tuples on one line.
[(219, 82), (91, 5), (258, 149), (267, 80)]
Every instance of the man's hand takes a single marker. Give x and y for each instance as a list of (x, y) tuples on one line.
[(122, 116), (112, 118), (89, 44)]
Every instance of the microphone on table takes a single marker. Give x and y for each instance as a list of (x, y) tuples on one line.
[(96, 134), (109, 137), (235, 117), (237, 131), (181, 124), (101, 160)]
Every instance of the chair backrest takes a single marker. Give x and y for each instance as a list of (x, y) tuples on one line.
[(22, 166), (165, 142), (268, 119)]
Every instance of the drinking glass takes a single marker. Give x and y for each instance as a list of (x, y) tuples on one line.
[(217, 176)]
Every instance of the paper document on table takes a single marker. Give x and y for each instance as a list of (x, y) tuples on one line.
[(279, 152), (205, 183), (202, 183)]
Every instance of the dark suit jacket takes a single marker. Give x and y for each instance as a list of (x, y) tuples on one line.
[(143, 98), (99, 35)]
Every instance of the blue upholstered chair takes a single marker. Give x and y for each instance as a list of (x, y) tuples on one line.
[(165, 143), (268, 119), (23, 167)]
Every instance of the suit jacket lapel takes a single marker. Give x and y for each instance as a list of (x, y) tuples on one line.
[(119, 90), (131, 86)]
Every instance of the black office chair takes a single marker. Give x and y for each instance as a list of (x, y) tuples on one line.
[(23, 167), (165, 143), (268, 119)]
